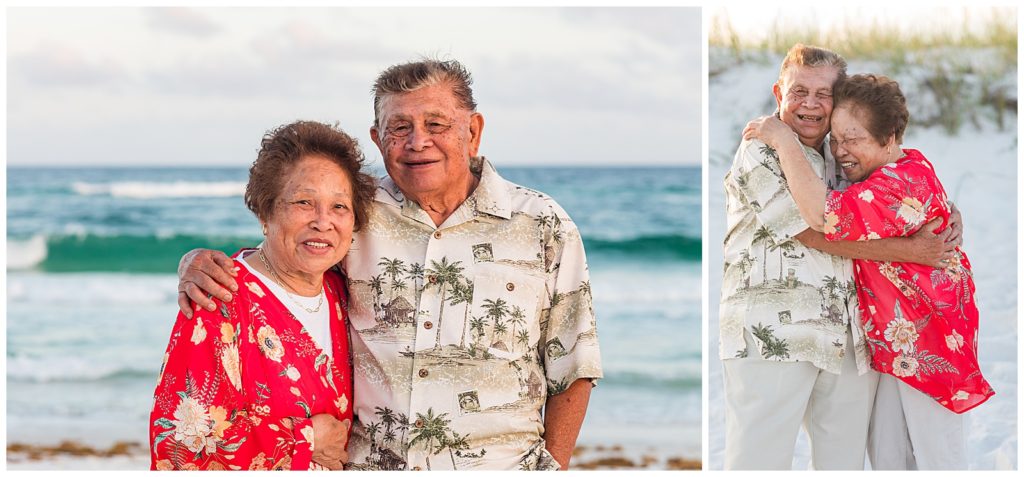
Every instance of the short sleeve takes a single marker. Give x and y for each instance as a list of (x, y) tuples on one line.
[(570, 348), (758, 182)]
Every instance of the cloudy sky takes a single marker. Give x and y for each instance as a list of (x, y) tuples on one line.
[(199, 86), (757, 21)]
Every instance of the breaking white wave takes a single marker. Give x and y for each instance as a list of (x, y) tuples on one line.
[(25, 254), (159, 190), (90, 289), (67, 368)]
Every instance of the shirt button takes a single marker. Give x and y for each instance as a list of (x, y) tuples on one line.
[(433, 279), (428, 325), (419, 423), (437, 234), (510, 286), (424, 373)]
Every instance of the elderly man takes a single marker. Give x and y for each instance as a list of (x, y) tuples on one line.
[(461, 286), (791, 341)]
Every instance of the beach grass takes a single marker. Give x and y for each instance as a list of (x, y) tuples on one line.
[(955, 74), (877, 39)]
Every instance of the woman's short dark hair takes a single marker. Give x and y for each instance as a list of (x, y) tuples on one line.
[(283, 147), (881, 102)]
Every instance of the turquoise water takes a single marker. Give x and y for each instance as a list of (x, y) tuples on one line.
[(91, 290)]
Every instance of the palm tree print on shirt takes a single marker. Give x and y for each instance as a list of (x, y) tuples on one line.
[(393, 268), (764, 235), (443, 275), (496, 311), (500, 274), (462, 292), (772, 347), (433, 434)]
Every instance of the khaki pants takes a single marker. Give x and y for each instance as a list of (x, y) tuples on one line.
[(766, 401), (910, 431)]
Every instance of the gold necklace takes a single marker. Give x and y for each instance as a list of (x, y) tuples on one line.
[(263, 258)]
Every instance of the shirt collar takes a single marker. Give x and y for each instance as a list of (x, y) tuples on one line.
[(492, 193), (491, 196)]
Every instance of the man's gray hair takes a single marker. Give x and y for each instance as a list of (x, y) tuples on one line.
[(411, 76), (812, 56)]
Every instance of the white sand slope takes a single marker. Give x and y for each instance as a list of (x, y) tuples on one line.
[(978, 167)]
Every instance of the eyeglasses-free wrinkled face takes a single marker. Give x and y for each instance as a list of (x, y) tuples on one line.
[(311, 226)]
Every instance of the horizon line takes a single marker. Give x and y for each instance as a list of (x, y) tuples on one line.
[(373, 167)]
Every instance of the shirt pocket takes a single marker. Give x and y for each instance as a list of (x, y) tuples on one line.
[(505, 315)]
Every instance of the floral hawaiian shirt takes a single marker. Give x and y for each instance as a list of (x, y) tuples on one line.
[(795, 302), (239, 385), (921, 322), (461, 332)]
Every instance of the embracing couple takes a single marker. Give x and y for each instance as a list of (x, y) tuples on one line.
[(874, 355), (431, 316)]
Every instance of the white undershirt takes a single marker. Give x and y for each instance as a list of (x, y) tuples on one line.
[(318, 324)]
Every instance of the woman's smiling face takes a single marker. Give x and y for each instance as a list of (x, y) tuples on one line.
[(311, 226), (854, 148)]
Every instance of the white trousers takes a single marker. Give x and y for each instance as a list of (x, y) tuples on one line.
[(766, 401), (910, 431)]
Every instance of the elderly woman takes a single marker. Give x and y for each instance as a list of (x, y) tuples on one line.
[(264, 381), (921, 322)]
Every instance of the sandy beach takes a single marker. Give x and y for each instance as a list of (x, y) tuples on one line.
[(71, 455), (123, 455)]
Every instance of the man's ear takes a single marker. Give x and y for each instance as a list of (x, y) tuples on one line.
[(375, 137), (476, 130), (777, 91)]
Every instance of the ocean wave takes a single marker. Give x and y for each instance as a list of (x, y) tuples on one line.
[(161, 252), (94, 290), (117, 253), (652, 247), (160, 190), (618, 289), (26, 254), (64, 368), (643, 380)]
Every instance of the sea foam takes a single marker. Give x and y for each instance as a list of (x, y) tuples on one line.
[(65, 368), (90, 289), (154, 190), (24, 254)]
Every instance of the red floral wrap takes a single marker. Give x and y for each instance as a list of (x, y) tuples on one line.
[(921, 322), (239, 385)]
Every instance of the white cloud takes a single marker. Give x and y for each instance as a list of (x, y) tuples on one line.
[(550, 78), (181, 20), (59, 64)]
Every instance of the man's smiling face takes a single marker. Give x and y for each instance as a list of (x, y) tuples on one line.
[(426, 139), (804, 96)]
